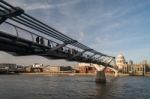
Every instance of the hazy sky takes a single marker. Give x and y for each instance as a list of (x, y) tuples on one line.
[(109, 26)]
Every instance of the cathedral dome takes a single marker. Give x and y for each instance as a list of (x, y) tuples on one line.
[(120, 61), (120, 56)]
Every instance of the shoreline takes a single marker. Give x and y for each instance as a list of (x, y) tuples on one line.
[(61, 74), (74, 74)]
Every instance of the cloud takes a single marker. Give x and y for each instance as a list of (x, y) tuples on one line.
[(29, 5), (81, 36)]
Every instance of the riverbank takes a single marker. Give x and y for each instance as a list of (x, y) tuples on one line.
[(71, 74), (60, 74), (147, 75), (121, 74)]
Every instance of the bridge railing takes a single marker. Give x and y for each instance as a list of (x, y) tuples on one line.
[(28, 35), (19, 32)]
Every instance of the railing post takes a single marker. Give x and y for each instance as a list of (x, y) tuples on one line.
[(17, 32), (32, 37)]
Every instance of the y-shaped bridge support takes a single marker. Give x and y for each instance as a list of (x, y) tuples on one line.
[(100, 74)]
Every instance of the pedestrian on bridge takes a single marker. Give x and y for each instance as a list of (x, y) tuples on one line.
[(42, 41), (38, 39)]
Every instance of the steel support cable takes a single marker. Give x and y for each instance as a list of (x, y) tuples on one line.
[(39, 27), (25, 30), (35, 28), (59, 37), (52, 29), (80, 46), (101, 54), (29, 25), (77, 45), (54, 32), (2, 11), (48, 27), (25, 14), (7, 4), (94, 51), (83, 46), (5, 7), (45, 25)]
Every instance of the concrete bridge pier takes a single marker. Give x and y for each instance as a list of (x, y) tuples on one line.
[(100, 74), (100, 77)]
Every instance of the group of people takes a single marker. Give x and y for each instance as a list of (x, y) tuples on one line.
[(66, 50), (40, 40)]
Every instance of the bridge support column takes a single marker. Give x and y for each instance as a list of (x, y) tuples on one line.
[(100, 77), (100, 74)]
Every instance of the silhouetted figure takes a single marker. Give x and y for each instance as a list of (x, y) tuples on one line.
[(69, 51), (49, 43), (42, 41), (38, 39), (61, 49)]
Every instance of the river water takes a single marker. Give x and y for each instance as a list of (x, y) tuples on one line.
[(72, 87)]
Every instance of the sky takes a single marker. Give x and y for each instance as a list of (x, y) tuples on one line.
[(108, 26)]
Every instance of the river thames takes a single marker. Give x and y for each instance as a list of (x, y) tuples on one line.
[(72, 87)]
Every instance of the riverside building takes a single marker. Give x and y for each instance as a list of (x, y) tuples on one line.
[(130, 67), (9, 68)]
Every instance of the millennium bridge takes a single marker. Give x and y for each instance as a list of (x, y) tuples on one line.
[(21, 34)]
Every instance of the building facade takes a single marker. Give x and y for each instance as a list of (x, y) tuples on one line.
[(120, 62), (57, 69), (130, 67), (9, 68), (85, 68)]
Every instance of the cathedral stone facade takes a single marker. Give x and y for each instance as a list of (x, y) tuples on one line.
[(130, 67), (122, 64)]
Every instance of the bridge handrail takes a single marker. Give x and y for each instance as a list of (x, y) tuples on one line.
[(17, 27)]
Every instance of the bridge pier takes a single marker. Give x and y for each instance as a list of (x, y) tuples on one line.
[(100, 74), (100, 77)]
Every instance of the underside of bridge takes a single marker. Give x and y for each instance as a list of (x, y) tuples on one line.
[(22, 34)]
